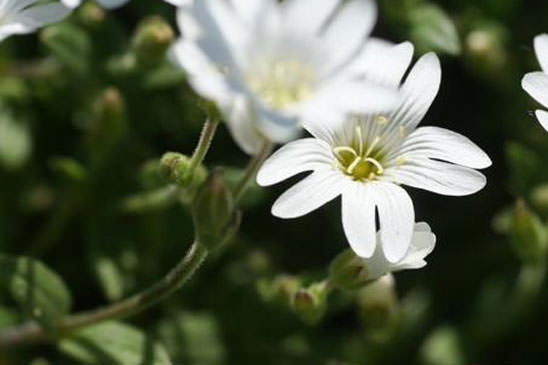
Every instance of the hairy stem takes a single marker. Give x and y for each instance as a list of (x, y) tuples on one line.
[(208, 132)]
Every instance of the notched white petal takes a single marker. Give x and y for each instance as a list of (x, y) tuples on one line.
[(309, 194), (358, 217), (295, 157)]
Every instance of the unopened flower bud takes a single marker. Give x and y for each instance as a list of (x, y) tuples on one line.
[(92, 14), (485, 48), (176, 169), (151, 41), (107, 124), (528, 235), (348, 271), (281, 289), (215, 218), (310, 304), (377, 303)]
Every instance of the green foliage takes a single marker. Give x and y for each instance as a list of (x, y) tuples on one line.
[(39, 292), (114, 343), (89, 107), (193, 338)]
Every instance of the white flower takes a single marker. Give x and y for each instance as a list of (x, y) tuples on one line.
[(536, 83), (269, 65), (26, 16), (366, 160), (109, 4)]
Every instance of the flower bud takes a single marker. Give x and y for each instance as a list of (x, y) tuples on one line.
[(348, 271), (281, 289), (485, 48), (92, 14), (310, 304), (528, 236), (442, 347), (215, 218), (151, 41), (377, 303), (107, 125), (539, 197), (175, 168)]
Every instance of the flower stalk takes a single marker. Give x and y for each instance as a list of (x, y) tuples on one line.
[(174, 280)]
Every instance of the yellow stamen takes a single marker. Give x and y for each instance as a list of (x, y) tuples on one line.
[(352, 166), (380, 169), (375, 142)]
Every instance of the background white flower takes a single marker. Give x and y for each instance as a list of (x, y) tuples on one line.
[(109, 4), (26, 16), (536, 83), (268, 65), (366, 159)]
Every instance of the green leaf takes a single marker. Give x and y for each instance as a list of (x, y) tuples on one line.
[(8, 317), (69, 44), (194, 337), (41, 293), (15, 141), (433, 30), (114, 343)]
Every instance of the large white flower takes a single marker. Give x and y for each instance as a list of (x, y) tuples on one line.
[(366, 159), (26, 16), (268, 65), (109, 4), (536, 83)]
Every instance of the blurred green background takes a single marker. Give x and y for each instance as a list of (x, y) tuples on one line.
[(87, 108)]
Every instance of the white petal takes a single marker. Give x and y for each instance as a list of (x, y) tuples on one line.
[(242, 125), (396, 218), (536, 84), (422, 245), (358, 217), (253, 12), (308, 16), (223, 37), (187, 23), (422, 227), (293, 158), (541, 50), (71, 3), (336, 99), (204, 76), (319, 188), (542, 117), (419, 91), (438, 177), (382, 62), (180, 2), (443, 144), (110, 4), (37, 16), (276, 126), (346, 33)]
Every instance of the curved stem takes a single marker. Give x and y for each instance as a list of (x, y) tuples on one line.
[(208, 132), (251, 170), (32, 332)]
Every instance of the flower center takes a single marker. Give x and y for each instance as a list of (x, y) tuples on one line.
[(281, 83), (361, 160)]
